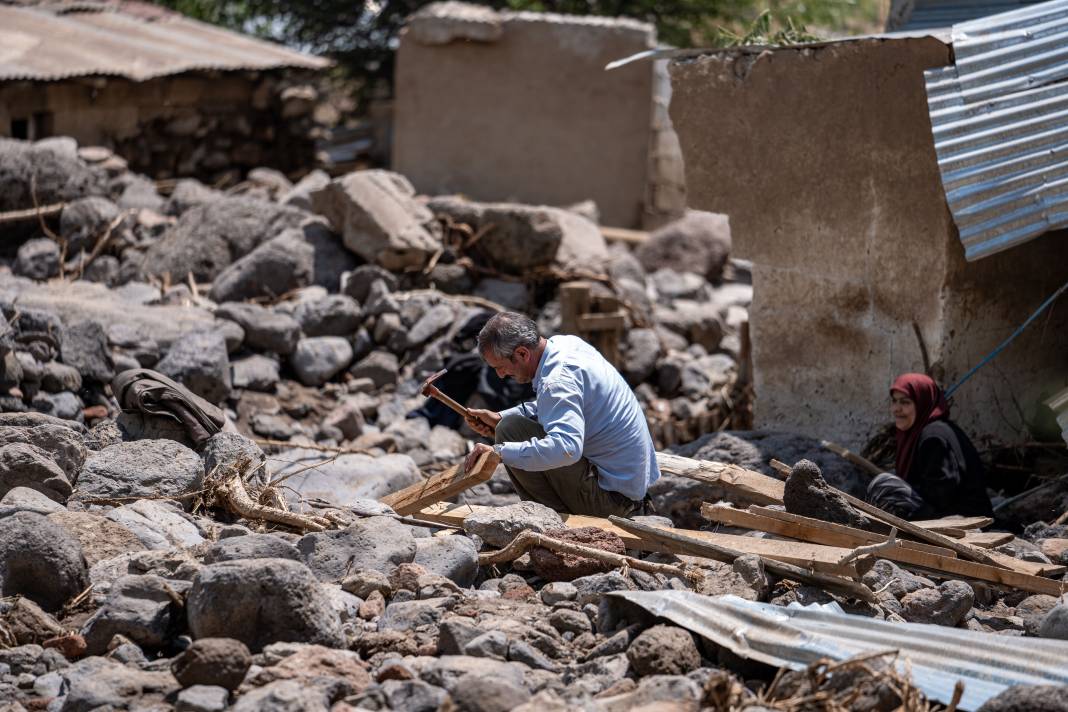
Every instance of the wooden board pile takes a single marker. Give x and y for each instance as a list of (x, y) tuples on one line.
[(820, 552)]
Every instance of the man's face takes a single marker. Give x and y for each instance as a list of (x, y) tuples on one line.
[(517, 367)]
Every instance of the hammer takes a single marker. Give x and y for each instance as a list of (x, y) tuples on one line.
[(432, 391)]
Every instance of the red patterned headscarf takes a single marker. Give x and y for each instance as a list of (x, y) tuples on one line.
[(930, 406)]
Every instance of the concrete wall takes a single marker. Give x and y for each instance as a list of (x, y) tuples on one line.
[(824, 161), (529, 115), (188, 125)]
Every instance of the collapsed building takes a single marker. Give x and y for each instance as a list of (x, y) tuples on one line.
[(172, 96), (517, 106)]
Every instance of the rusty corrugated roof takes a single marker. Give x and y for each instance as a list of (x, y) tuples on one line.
[(37, 43)]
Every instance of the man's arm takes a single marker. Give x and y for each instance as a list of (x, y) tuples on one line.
[(560, 404), (528, 409)]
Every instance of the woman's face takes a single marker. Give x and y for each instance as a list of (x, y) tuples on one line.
[(903, 410)]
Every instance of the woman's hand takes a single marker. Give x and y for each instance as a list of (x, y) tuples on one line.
[(484, 422)]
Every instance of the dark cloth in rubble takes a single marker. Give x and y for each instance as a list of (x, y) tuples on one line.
[(946, 477), (466, 375), (571, 489), (147, 391)]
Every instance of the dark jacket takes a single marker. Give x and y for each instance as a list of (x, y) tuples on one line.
[(948, 473)]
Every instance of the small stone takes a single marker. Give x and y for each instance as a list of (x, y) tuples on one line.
[(199, 361), (382, 367), (202, 698), (808, 494), (492, 644), (558, 591), (366, 581), (569, 621), (256, 373), (946, 605), (318, 359), (563, 566), (37, 259), (477, 693), (1029, 698), (664, 650), (888, 576), (373, 606), (1055, 624), (40, 560), (334, 315)]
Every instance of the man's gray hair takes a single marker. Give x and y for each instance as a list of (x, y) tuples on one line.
[(505, 332)]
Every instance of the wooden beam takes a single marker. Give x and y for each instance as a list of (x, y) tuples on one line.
[(955, 522), (620, 234), (825, 532), (848, 455), (746, 484), (441, 486), (615, 321), (987, 540), (684, 542), (808, 529)]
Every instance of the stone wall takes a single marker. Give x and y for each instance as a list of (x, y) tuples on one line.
[(823, 159), (197, 125), (503, 106)]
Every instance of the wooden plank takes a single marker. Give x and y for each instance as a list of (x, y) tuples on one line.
[(745, 484), (808, 529), (848, 455), (912, 557), (810, 556), (1053, 548), (441, 486), (987, 540), (601, 322), (686, 545), (955, 523), (621, 234)]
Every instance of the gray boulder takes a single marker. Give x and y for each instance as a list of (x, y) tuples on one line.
[(199, 362), (382, 367), (25, 499), (64, 405), (357, 282), (40, 560), (57, 377), (157, 524), (96, 683), (141, 608), (528, 236), (227, 449), (476, 693), (209, 237), (188, 193), (642, 352), (256, 373), (697, 242), (83, 221), (334, 315), (253, 546), (24, 465), (283, 696), (454, 557), (946, 605), (144, 468), (265, 329), (379, 543), (1055, 624), (262, 601), (319, 358), (218, 662), (85, 347), (279, 265), (346, 479), (38, 259), (497, 526), (432, 323), (379, 218), (59, 442), (38, 174), (1029, 698)]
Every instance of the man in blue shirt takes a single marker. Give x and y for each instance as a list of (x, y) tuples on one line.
[(583, 445)]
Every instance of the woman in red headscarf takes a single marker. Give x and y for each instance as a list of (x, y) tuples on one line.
[(938, 468)]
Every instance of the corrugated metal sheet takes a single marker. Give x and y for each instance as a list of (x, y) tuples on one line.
[(998, 118), (795, 637), (931, 14), (39, 45)]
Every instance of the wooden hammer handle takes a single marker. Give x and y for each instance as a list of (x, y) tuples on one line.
[(435, 393)]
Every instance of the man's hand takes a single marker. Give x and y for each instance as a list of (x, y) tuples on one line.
[(472, 457), (484, 422)]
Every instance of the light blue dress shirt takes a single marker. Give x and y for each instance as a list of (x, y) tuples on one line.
[(586, 409)]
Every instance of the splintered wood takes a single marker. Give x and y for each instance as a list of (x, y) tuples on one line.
[(441, 486)]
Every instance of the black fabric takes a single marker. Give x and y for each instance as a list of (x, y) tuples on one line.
[(946, 476), (468, 374)]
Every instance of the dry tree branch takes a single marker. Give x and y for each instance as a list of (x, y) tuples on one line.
[(227, 489), (860, 551), (531, 540)]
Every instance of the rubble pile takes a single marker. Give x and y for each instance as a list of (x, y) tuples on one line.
[(135, 576)]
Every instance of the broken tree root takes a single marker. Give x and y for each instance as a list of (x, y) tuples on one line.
[(870, 549), (227, 490), (532, 540)]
